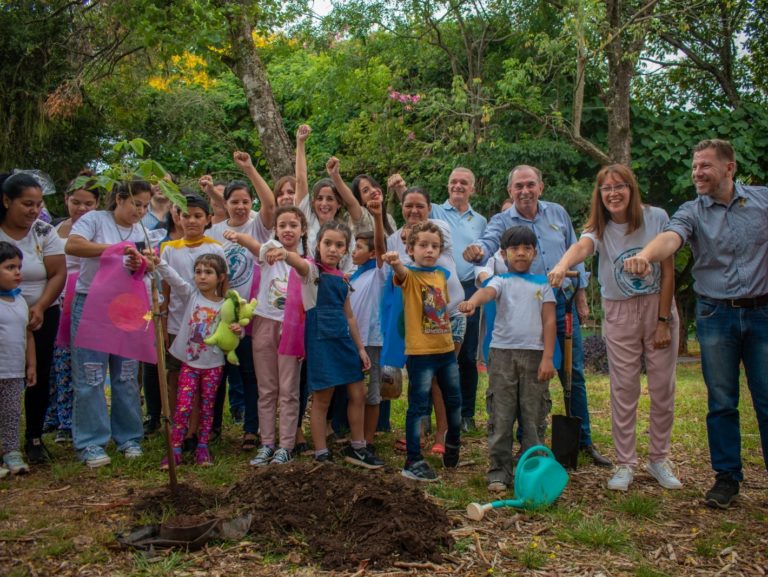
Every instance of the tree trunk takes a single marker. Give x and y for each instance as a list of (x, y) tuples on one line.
[(246, 64)]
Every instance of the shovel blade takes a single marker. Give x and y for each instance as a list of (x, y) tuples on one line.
[(566, 432)]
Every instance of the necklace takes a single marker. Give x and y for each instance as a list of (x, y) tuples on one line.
[(117, 229)]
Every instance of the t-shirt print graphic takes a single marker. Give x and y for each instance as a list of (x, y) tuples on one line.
[(434, 316)]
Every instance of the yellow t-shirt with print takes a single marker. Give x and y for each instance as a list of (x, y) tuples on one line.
[(425, 307)]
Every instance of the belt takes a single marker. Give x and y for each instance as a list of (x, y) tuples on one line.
[(745, 303)]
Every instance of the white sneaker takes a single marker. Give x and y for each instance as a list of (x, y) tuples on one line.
[(662, 472), (622, 478)]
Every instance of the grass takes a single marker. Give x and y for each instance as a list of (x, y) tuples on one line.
[(70, 514), (159, 566), (597, 532), (638, 506)]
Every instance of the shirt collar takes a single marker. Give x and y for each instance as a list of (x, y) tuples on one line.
[(448, 206), (542, 208), (738, 192)]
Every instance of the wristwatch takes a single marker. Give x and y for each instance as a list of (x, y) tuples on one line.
[(663, 319)]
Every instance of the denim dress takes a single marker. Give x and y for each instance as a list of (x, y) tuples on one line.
[(332, 358)]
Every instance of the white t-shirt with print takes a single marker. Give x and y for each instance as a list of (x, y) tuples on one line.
[(519, 299), (273, 290), (199, 321), (41, 241), (616, 246), (240, 260), (181, 258)]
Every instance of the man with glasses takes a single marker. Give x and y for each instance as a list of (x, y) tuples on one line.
[(554, 233), (726, 228)]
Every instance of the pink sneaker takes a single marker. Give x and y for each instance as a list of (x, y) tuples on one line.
[(176, 460), (203, 457)]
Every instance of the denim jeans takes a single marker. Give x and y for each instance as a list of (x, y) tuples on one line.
[(729, 336), (468, 358), (92, 422), (579, 406), (421, 370)]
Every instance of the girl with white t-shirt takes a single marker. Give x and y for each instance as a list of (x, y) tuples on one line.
[(92, 423), (277, 374), (640, 319), (240, 263), (202, 365)]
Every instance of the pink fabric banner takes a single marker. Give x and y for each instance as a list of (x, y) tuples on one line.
[(117, 317)]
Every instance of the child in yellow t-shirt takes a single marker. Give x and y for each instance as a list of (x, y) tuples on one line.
[(428, 345)]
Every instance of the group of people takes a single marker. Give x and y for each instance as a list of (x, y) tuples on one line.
[(320, 264)]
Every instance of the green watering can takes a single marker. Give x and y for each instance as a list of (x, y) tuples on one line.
[(539, 480)]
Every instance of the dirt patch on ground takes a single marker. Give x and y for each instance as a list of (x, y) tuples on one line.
[(334, 516), (340, 516)]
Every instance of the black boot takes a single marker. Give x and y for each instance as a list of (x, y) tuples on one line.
[(598, 459)]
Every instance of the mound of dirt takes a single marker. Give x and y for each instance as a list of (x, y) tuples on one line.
[(187, 499), (339, 516)]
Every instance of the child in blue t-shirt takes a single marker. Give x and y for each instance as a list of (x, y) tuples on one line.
[(522, 348)]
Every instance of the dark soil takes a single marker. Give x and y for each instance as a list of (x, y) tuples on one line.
[(327, 514), (340, 516)]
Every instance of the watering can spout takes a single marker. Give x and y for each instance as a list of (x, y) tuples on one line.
[(539, 481)]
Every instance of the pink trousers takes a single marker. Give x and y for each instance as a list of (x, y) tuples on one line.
[(278, 381), (629, 329)]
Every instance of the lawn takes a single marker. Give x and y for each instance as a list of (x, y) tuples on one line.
[(62, 519)]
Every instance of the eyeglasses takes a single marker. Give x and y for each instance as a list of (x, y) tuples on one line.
[(615, 188)]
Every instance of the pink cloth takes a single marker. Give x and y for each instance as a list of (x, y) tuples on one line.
[(292, 335), (117, 318), (63, 336)]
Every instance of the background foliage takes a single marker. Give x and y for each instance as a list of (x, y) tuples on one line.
[(418, 87)]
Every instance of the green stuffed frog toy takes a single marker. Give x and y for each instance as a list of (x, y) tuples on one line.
[(235, 309)]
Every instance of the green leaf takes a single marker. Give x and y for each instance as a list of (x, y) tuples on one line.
[(172, 193), (138, 145)]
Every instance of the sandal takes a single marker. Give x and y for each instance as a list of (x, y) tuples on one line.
[(437, 449), (250, 442)]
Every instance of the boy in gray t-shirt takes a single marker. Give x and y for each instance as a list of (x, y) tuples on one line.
[(522, 348)]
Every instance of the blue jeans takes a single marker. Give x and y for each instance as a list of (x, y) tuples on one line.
[(92, 422), (421, 370), (468, 357), (578, 384), (729, 336)]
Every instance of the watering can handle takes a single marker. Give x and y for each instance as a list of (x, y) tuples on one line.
[(530, 451)]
